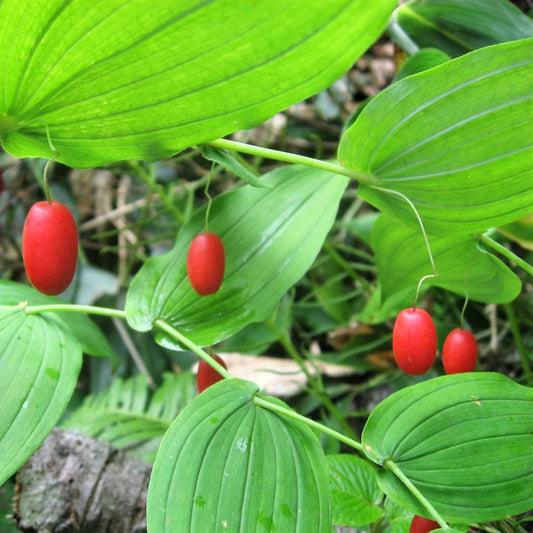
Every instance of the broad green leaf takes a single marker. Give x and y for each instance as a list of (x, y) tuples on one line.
[(271, 238), (89, 335), (464, 268), (39, 365), (465, 441), (422, 60), (455, 140), (226, 464), (355, 491), (128, 415), (457, 27), (144, 79), (228, 161), (520, 231)]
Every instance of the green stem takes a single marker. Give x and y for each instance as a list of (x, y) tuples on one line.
[(398, 35), (45, 179), (520, 346), (497, 247), (420, 223), (346, 266), (155, 187), (362, 177), (315, 383), (104, 311), (419, 286), (393, 467), (71, 308), (291, 350), (174, 333), (263, 402), (209, 198), (48, 164), (464, 308)]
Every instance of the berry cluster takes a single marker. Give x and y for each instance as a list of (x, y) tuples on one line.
[(206, 262), (414, 344)]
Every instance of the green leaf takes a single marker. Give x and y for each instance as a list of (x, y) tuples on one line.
[(271, 238), (116, 79), (228, 161), (89, 335), (227, 465), (456, 140), (465, 441), (355, 491), (399, 518), (457, 27), (422, 60), (464, 268), (128, 415), (39, 365), (520, 231)]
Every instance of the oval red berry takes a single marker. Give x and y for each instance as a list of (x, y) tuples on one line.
[(459, 352), (422, 525), (414, 341), (206, 262), (50, 247), (207, 375)]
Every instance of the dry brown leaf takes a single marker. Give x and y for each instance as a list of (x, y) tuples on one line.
[(278, 377)]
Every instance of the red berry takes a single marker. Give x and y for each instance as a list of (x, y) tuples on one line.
[(414, 341), (422, 525), (50, 247), (205, 263), (207, 375), (459, 352)]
